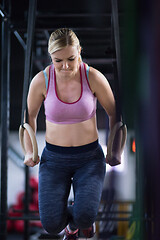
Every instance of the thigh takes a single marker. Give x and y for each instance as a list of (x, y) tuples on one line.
[(54, 188), (88, 184)]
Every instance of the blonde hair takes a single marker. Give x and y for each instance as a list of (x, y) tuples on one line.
[(61, 38)]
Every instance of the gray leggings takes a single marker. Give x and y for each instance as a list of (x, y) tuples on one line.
[(84, 167)]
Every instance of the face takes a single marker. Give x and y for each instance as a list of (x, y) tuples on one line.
[(66, 61)]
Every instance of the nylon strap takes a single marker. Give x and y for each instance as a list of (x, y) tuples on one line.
[(28, 57)]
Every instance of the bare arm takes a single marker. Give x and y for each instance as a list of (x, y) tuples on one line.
[(34, 100), (102, 90)]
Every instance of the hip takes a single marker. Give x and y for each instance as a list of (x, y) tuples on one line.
[(75, 157)]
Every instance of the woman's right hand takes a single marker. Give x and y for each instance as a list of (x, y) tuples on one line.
[(28, 161)]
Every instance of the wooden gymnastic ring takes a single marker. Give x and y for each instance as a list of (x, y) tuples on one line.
[(32, 137), (114, 131)]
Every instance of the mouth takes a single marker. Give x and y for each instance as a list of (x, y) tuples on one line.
[(64, 70)]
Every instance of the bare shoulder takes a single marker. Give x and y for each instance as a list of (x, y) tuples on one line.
[(38, 82), (102, 90), (96, 74), (97, 79), (38, 79)]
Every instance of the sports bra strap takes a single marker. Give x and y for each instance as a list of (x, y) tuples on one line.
[(46, 78), (87, 72)]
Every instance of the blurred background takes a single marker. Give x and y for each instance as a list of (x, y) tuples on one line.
[(121, 39)]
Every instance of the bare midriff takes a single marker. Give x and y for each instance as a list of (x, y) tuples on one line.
[(71, 135)]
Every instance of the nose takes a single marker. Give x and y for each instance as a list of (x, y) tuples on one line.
[(65, 65)]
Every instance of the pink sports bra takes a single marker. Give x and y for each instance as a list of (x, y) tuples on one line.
[(60, 112)]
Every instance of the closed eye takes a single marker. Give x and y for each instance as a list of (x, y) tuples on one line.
[(58, 60), (71, 59)]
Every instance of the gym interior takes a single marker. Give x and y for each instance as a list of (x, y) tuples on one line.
[(121, 39)]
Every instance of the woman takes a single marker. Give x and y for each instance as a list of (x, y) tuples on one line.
[(69, 89)]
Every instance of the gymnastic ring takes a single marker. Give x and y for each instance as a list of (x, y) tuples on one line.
[(116, 128), (32, 137)]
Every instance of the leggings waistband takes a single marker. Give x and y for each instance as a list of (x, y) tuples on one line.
[(70, 150)]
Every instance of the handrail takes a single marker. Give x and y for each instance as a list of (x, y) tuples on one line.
[(15, 157)]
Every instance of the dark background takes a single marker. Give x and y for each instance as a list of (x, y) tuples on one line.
[(140, 58), (91, 21)]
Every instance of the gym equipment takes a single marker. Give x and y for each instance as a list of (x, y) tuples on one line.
[(24, 116), (5, 114), (116, 143), (27, 73), (31, 134), (118, 135)]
